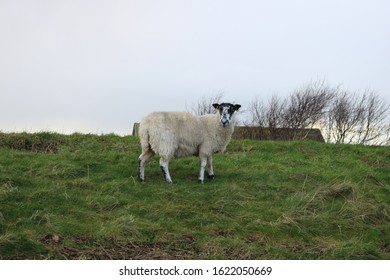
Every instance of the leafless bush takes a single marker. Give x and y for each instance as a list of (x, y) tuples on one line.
[(344, 116), (257, 110), (372, 128), (306, 106), (204, 105), (357, 119), (303, 109), (386, 133), (267, 115)]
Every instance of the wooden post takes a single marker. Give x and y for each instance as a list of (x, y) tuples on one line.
[(135, 129)]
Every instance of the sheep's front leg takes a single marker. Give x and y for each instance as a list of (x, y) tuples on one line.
[(203, 163), (164, 167), (210, 164)]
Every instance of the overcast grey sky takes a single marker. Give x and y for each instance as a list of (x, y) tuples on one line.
[(98, 66)]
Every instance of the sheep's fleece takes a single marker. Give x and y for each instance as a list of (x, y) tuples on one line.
[(182, 134)]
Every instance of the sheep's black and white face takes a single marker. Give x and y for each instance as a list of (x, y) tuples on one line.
[(226, 111)]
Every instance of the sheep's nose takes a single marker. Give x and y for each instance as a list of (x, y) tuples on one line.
[(224, 120)]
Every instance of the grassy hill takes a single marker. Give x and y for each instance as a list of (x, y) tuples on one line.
[(77, 197)]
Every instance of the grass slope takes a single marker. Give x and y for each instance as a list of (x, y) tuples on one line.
[(77, 197)]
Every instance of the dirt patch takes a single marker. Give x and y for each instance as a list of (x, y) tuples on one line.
[(111, 250)]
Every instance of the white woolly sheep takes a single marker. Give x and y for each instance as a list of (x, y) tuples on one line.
[(181, 134)]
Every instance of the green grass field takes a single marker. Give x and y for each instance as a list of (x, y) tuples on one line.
[(78, 197)]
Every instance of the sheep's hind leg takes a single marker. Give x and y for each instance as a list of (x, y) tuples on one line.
[(210, 165), (143, 159), (165, 170)]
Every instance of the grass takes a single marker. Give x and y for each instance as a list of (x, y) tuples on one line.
[(78, 197)]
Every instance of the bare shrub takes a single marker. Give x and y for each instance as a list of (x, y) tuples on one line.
[(343, 116), (306, 106), (204, 105), (357, 119), (303, 109), (372, 126), (267, 116)]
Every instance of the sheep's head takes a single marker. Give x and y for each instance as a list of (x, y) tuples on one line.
[(226, 111)]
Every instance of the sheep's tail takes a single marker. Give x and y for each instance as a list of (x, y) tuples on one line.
[(144, 138)]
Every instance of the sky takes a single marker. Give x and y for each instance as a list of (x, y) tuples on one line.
[(95, 66)]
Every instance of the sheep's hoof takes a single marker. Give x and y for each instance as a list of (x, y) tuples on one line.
[(169, 182), (211, 177), (200, 181)]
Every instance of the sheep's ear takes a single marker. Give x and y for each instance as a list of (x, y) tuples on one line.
[(236, 107), (216, 106)]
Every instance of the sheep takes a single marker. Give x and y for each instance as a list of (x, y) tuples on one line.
[(182, 134)]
